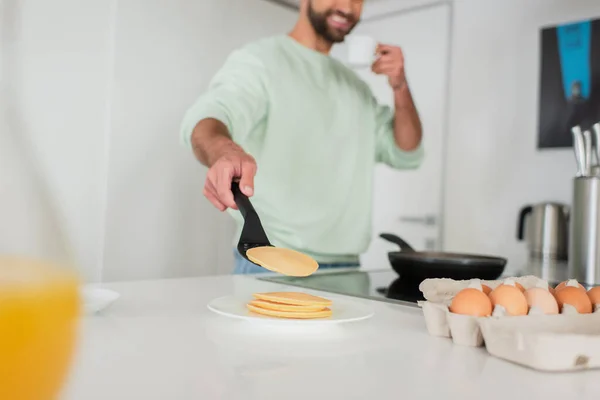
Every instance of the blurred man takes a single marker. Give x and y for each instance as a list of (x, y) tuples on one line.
[(302, 133)]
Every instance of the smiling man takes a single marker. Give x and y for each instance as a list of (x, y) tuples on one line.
[(303, 133)]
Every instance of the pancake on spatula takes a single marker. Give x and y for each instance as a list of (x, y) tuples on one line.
[(293, 298), (284, 261), (269, 305), (256, 248), (290, 314)]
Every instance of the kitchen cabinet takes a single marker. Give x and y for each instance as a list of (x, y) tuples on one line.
[(409, 203)]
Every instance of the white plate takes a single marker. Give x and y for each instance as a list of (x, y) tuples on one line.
[(96, 299), (341, 311)]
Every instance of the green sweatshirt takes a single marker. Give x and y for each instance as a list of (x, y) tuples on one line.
[(316, 132)]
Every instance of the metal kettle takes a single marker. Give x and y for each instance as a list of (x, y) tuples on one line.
[(545, 229)]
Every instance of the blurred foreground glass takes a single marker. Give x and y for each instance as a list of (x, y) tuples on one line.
[(39, 301), (39, 312)]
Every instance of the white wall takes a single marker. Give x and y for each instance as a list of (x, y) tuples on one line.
[(53, 106), (164, 58), (493, 166), (377, 9), (95, 93)]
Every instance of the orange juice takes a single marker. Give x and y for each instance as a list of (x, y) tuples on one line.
[(39, 310)]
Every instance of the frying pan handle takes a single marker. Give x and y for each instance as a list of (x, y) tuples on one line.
[(396, 240)]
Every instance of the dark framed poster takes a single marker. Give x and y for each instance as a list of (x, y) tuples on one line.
[(569, 81)]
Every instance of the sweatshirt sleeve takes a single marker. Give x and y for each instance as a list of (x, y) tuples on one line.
[(236, 96), (387, 152)]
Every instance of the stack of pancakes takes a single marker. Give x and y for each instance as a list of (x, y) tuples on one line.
[(290, 305)]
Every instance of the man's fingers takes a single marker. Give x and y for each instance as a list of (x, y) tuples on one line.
[(389, 70), (211, 194), (217, 187), (385, 58), (386, 67), (210, 186), (223, 186), (213, 199), (388, 58), (376, 67), (381, 68), (388, 49), (247, 178)]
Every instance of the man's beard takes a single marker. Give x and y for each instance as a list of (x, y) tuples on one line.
[(322, 28)]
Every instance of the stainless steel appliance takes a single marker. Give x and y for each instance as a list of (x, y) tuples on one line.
[(545, 229), (549, 269), (584, 249)]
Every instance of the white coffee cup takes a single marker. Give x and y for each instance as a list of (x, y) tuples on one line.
[(361, 50)]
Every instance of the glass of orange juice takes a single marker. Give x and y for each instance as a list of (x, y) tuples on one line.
[(39, 312)]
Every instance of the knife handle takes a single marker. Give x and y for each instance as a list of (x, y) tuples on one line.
[(579, 148), (597, 140), (587, 140)]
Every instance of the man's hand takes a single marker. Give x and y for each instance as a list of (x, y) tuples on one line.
[(233, 164), (225, 159), (391, 64), (408, 131)]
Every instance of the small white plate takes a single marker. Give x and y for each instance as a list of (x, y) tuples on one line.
[(96, 299), (341, 311)]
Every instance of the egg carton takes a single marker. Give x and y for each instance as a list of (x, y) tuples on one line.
[(563, 342)]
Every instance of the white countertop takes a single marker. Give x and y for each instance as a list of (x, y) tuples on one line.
[(159, 341)]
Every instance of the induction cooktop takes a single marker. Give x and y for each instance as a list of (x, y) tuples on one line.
[(383, 285)]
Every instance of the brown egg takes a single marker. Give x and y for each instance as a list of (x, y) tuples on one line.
[(486, 289), (511, 298), (541, 299), (513, 282), (594, 295), (471, 302), (520, 287), (562, 285), (574, 297), (551, 290)]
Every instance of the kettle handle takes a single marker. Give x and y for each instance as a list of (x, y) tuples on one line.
[(521, 223)]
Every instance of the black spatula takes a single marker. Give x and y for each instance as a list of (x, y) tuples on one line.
[(253, 234)]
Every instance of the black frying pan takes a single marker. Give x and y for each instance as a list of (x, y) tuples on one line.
[(421, 265)]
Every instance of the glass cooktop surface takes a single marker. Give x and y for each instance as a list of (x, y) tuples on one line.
[(382, 285)]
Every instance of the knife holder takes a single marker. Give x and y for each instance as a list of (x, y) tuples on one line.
[(584, 248)]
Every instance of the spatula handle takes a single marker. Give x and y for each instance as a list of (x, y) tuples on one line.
[(253, 233), (242, 201)]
